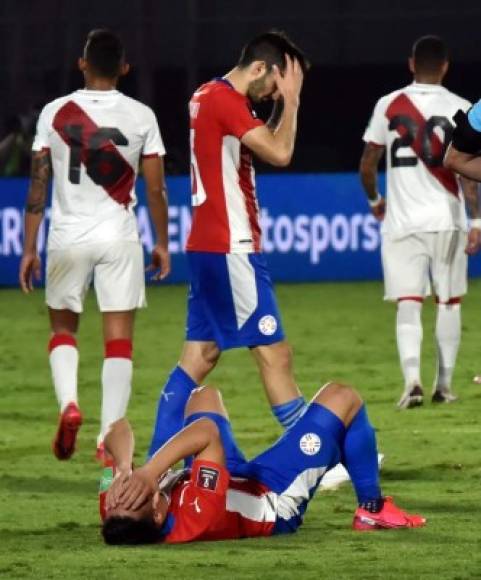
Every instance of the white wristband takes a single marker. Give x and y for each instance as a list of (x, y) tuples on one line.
[(375, 202), (476, 223)]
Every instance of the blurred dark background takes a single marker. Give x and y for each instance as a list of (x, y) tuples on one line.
[(358, 49)]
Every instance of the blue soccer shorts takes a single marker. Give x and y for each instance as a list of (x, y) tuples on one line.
[(232, 301), (293, 466)]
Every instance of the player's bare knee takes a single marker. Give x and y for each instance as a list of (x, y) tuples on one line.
[(339, 392), (205, 399)]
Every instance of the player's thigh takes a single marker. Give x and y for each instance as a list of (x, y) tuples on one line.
[(299, 459), (406, 266), (449, 265), (119, 277), (69, 274)]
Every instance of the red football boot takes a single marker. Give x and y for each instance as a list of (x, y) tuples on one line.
[(390, 517), (64, 443)]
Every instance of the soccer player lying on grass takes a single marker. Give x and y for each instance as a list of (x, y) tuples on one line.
[(223, 496)]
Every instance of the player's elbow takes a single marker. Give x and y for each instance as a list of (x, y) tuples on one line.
[(281, 159)]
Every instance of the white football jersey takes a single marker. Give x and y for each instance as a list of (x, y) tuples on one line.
[(96, 139), (415, 125)]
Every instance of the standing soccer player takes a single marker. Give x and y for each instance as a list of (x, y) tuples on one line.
[(231, 301), (92, 141), (424, 230)]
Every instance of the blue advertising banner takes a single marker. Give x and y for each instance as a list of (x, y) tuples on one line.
[(316, 227)]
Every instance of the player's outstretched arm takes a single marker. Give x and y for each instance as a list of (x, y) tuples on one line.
[(472, 194), (277, 147), (34, 209), (201, 439), (153, 170), (466, 164), (368, 167)]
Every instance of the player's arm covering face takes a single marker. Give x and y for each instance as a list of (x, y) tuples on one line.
[(464, 154)]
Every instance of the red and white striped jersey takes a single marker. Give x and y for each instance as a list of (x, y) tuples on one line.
[(209, 505), (415, 125), (225, 210), (96, 139)]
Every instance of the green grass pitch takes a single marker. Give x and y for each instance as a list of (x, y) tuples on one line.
[(49, 525)]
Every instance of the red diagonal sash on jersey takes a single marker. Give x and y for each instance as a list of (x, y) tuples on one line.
[(72, 114), (402, 105)]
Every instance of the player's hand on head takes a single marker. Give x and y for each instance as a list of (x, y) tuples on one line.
[(30, 268), (474, 241), (160, 263), (289, 83), (115, 491), (139, 487)]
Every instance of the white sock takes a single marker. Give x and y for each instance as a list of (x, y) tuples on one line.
[(116, 387), (64, 366), (448, 337), (409, 334)]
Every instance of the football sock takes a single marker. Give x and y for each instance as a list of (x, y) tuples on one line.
[(171, 407), (64, 365), (116, 382), (360, 459), (288, 413), (409, 334), (448, 336)]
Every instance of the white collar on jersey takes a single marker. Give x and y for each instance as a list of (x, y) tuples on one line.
[(98, 94), (425, 87)]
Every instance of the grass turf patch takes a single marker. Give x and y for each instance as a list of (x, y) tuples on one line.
[(49, 525)]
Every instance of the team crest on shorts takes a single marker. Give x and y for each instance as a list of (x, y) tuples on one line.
[(310, 444), (268, 325)]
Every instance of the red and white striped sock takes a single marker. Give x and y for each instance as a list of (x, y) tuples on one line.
[(63, 355), (116, 382)]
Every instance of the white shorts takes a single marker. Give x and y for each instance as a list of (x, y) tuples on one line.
[(117, 269), (418, 263)]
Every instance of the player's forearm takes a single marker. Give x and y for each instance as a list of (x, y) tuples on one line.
[(472, 193), (192, 440), (36, 198), (119, 442), (369, 182), (159, 213), (285, 133), (32, 225), (466, 164), (276, 114)]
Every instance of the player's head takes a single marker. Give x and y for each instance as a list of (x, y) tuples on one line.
[(259, 56), (103, 56), (429, 57), (130, 527)]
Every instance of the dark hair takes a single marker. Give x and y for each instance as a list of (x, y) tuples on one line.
[(429, 53), (125, 531), (104, 52), (272, 47)]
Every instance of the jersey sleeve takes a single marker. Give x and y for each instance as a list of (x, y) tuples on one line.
[(202, 502), (474, 116), (235, 115), (41, 140), (467, 133), (376, 129), (153, 143)]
